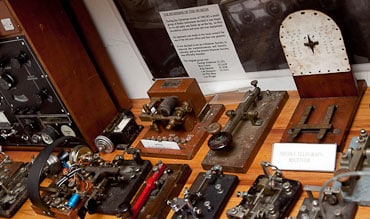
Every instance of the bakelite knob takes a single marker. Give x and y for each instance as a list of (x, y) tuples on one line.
[(7, 81)]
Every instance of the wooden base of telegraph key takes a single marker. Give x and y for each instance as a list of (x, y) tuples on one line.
[(170, 187), (182, 141), (248, 138)]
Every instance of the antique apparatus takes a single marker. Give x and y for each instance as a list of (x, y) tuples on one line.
[(236, 144), (165, 112), (330, 95), (120, 133), (330, 203), (222, 139), (82, 182), (207, 196), (179, 116), (164, 183), (31, 111), (271, 196), (47, 90), (355, 188), (13, 192)]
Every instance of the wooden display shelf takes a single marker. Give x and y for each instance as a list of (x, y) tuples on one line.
[(361, 121)]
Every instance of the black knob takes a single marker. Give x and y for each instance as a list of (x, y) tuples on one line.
[(4, 63), (23, 58), (274, 8), (49, 134), (7, 81), (220, 141), (42, 95), (247, 17), (31, 125)]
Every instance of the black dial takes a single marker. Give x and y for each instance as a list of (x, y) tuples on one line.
[(23, 58), (7, 81), (49, 134)]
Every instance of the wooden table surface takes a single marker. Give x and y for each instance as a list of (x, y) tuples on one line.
[(361, 121)]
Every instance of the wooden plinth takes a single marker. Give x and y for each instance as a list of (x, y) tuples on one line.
[(341, 121)]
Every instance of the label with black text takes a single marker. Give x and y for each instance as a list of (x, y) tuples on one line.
[(203, 43), (304, 156)]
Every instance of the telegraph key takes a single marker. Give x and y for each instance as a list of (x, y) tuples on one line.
[(206, 197), (164, 183), (330, 95), (13, 192), (355, 188), (330, 202), (271, 196), (235, 145), (179, 116)]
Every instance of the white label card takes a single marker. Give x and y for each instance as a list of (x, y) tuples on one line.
[(304, 156), (123, 123), (160, 144), (203, 43), (7, 24)]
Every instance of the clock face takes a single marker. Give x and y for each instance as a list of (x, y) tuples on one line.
[(313, 44)]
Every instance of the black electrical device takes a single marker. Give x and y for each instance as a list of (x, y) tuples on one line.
[(31, 112)]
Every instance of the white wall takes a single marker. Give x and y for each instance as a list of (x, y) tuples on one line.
[(129, 64), (136, 77)]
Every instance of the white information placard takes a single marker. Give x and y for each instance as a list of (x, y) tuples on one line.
[(160, 144), (7, 24), (203, 43), (304, 156)]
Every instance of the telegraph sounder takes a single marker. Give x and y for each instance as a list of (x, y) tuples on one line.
[(179, 116)]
